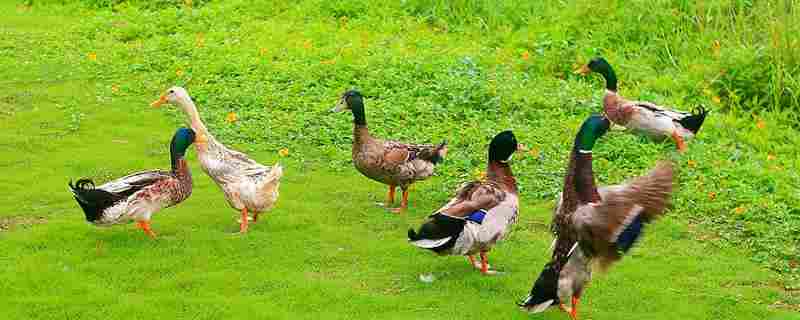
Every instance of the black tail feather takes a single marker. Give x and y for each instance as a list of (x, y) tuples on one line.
[(93, 201), (439, 154), (544, 289), (694, 121), (412, 235), (439, 226)]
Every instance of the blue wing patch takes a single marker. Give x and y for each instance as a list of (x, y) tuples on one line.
[(627, 238), (477, 216)]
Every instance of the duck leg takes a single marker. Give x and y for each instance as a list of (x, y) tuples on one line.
[(243, 224), (403, 202), (574, 313), (679, 141), (485, 265), (145, 226), (472, 261), (390, 196)]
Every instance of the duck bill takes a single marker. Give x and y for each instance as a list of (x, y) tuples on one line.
[(583, 70), (339, 107), (521, 148), (161, 100)]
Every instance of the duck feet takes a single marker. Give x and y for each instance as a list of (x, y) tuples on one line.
[(244, 221), (145, 226), (679, 142), (483, 265)]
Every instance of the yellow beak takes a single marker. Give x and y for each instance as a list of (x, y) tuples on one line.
[(521, 147), (161, 100), (583, 70), (201, 139)]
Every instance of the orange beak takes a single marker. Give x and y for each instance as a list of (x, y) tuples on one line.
[(521, 147), (161, 100), (583, 70)]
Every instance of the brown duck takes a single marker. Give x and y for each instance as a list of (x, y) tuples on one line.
[(393, 163), (594, 225)]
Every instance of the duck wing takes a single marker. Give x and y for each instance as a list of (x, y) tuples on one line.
[(396, 153), (474, 196), (610, 228), (132, 183)]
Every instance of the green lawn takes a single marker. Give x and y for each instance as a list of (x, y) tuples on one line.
[(75, 83)]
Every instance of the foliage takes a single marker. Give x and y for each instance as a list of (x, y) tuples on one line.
[(455, 70)]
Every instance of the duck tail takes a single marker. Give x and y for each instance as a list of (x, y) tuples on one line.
[(544, 292), (439, 152), (412, 235), (92, 200), (694, 121)]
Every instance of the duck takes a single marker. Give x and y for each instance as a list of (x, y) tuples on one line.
[(393, 163), (594, 226), (249, 186), (644, 117), (480, 214), (137, 196)]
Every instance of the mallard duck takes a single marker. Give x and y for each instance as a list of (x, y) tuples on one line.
[(248, 186), (138, 196), (393, 163), (645, 117), (481, 212), (594, 225)]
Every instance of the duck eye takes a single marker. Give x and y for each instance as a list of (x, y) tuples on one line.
[(171, 91)]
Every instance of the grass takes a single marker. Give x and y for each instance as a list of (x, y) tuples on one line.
[(73, 102)]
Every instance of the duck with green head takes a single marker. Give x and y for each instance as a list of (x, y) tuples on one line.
[(641, 116), (248, 186), (481, 212), (592, 224), (393, 163), (136, 197)]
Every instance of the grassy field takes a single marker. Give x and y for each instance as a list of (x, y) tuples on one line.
[(76, 80)]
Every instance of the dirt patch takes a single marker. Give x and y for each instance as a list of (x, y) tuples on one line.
[(17, 222)]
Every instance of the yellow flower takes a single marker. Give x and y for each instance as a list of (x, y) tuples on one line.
[(739, 210), (761, 124), (329, 61), (525, 55), (231, 117), (770, 157), (283, 152), (479, 174), (92, 56), (308, 45), (534, 152), (691, 163), (114, 88), (179, 72), (716, 99), (263, 51), (712, 195)]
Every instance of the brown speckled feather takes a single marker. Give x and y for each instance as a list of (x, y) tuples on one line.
[(392, 162), (599, 225)]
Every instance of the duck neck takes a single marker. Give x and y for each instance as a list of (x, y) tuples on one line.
[(500, 173), (610, 77), (180, 167), (194, 117), (360, 130)]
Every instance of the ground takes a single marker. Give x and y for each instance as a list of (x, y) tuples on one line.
[(326, 250)]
